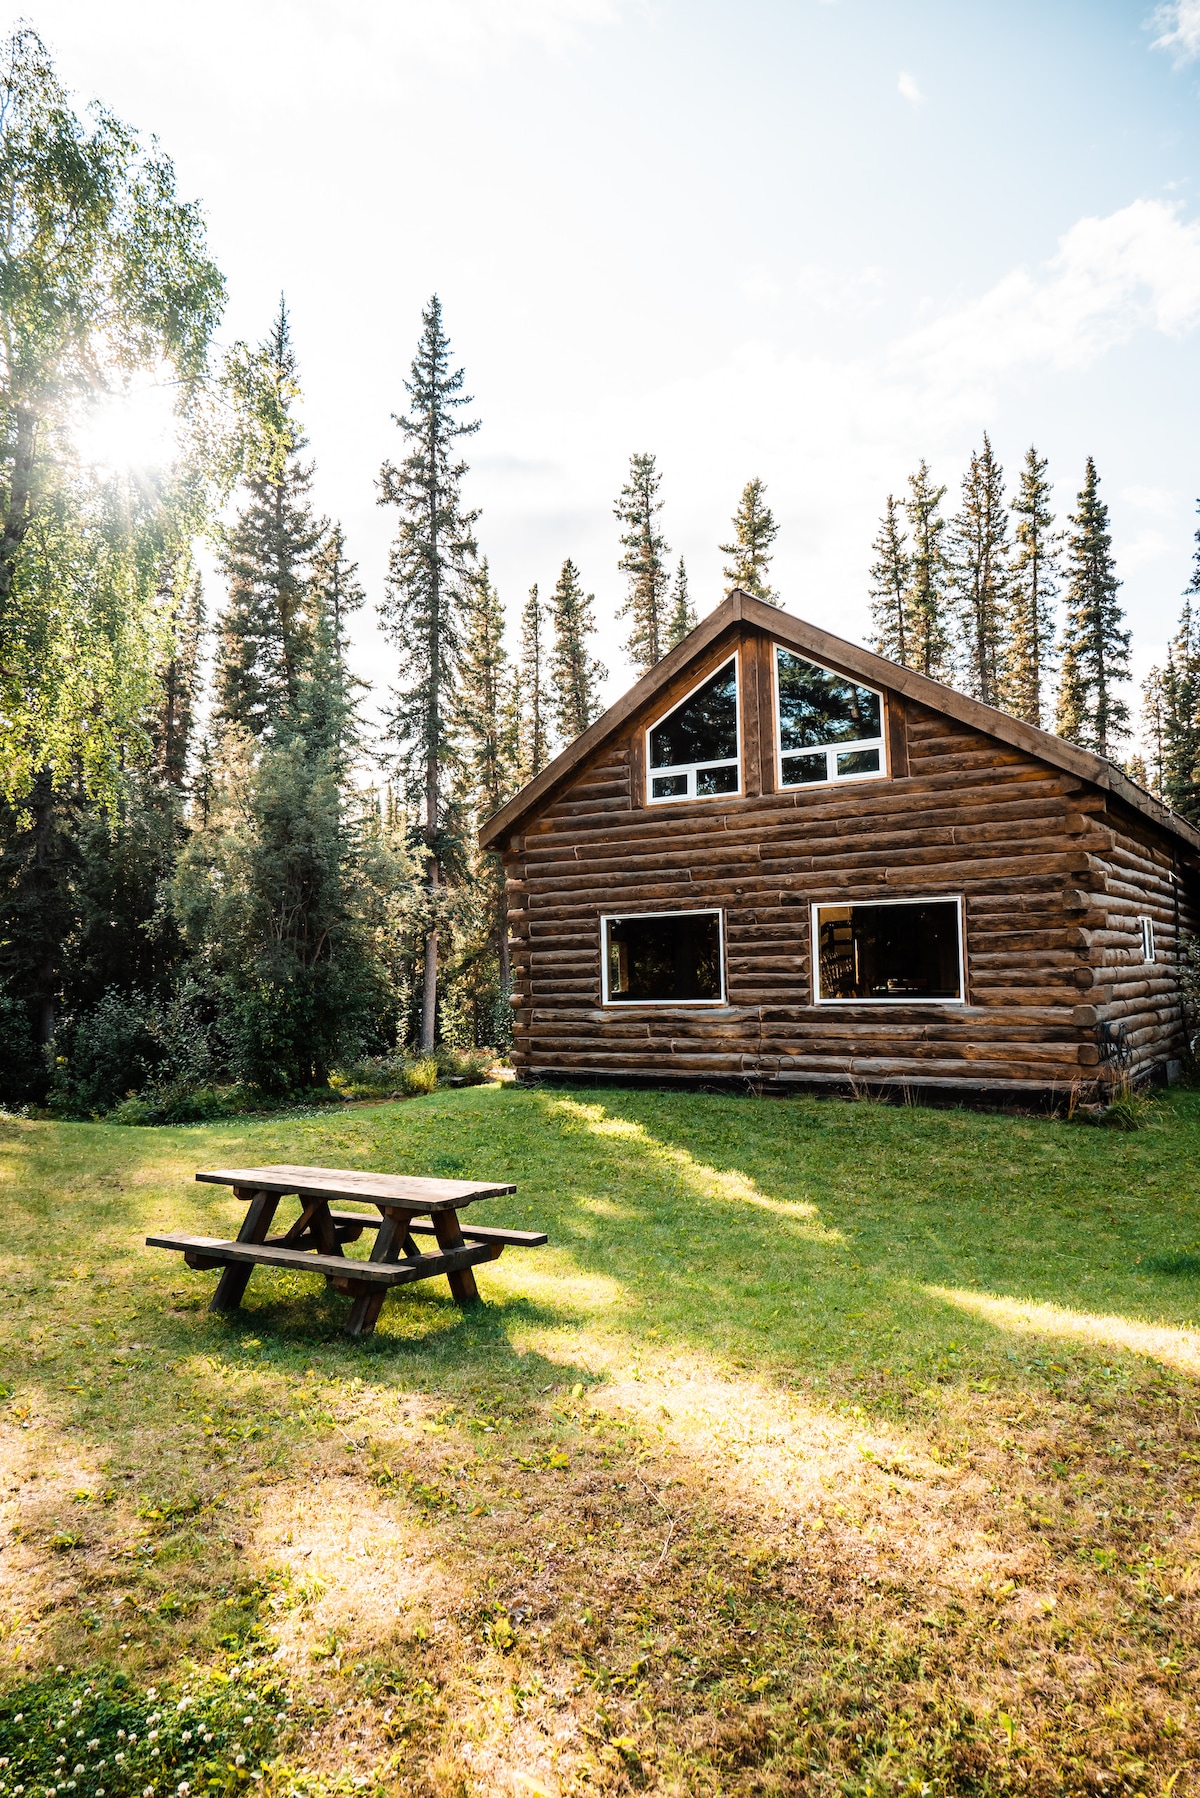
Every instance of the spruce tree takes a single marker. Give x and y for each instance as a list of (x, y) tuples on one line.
[(1181, 706), (1155, 688), (336, 595), (265, 631), (1033, 587), (535, 701), (173, 719), (754, 531), (430, 573), (643, 564), (682, 620), (978, 556), (929, 575), (490, 757), (575, 675), (890, 591), (1093, 640)]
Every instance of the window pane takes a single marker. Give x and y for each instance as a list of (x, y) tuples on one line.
[(799, 769), (889, 951), (669, 786), (818, 707), (716, 780), (859, 761), (703, 729), (674, 957)]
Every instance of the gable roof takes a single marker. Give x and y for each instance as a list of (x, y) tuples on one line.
[(823, 646)]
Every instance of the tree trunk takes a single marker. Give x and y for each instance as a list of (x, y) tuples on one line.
[(41, 804)]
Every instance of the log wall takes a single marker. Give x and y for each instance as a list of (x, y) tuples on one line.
[(1053, 881)]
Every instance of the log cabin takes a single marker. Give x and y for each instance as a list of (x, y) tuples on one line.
[(781, 862)]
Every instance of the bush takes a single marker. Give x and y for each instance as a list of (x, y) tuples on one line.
[(103, 1055), (386, 1077), (470, 1066), (22, 1062)]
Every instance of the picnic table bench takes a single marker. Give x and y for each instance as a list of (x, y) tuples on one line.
[(313, 1242)]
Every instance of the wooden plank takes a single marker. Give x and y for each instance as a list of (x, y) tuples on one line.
[(521, 1239), (337, 1267), (231, 1287), (347, 1183)]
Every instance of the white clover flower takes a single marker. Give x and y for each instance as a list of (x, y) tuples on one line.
[(153, 1736), (239, 1760), (249, 1722), (186, 1736), (95, 1742), (118, 1758), (183, 1788)]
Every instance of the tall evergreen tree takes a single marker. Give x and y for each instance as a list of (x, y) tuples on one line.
[(269, 891), (929, 575), (978, 555), (754, 531), (430, 574), (1033, 587), (644, 564), (1154, 728), (1181, 700), (682, 620), (575, 675), (1094, 642), (173, 718), (535, 701), (890, 589), (491, 754), (265, 631)]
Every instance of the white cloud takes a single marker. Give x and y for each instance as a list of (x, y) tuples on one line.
[(1137, 268), (908, 89), (1147, 546), (840, 294), (1178, 25)]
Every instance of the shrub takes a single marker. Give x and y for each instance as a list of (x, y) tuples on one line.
[(471, 1066), (22, 1062), (103, 1055), (421, 1076)]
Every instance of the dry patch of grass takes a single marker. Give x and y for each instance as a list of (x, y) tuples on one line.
[(787, 1470)]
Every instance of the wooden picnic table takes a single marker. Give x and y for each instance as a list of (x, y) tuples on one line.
[(313, 1242)]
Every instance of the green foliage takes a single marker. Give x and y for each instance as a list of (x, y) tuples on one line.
[(894, 634), (104, 277), (103, 1055), (23, 1074), (754, 531), (535, 705), (643, 563), (207, 1733), (929, 577), (432, 563), (978, 556), (682, 620), (1032, 590), (266, 632), (575, 675), (1095, 652)]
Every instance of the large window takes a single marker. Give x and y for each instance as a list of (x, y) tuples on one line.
[(829, 728), (903, 951), (692, 753), (663, 958)]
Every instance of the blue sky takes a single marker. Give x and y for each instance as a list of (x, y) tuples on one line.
[(811, 240)]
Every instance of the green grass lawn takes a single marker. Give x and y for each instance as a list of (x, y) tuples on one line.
[(828, 1448)]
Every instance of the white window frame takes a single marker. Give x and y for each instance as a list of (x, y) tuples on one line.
[(690, 769), (691, 911), (819, 905), (830, 751), (1146, 926)]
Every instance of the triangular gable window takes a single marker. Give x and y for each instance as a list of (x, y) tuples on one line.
[(830, 728), (693, 753)]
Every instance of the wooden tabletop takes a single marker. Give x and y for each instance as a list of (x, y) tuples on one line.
[(410, 1191)]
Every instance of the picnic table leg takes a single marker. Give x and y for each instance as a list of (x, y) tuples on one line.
[(231, 1287), (391, 1240), (448, 1231)]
